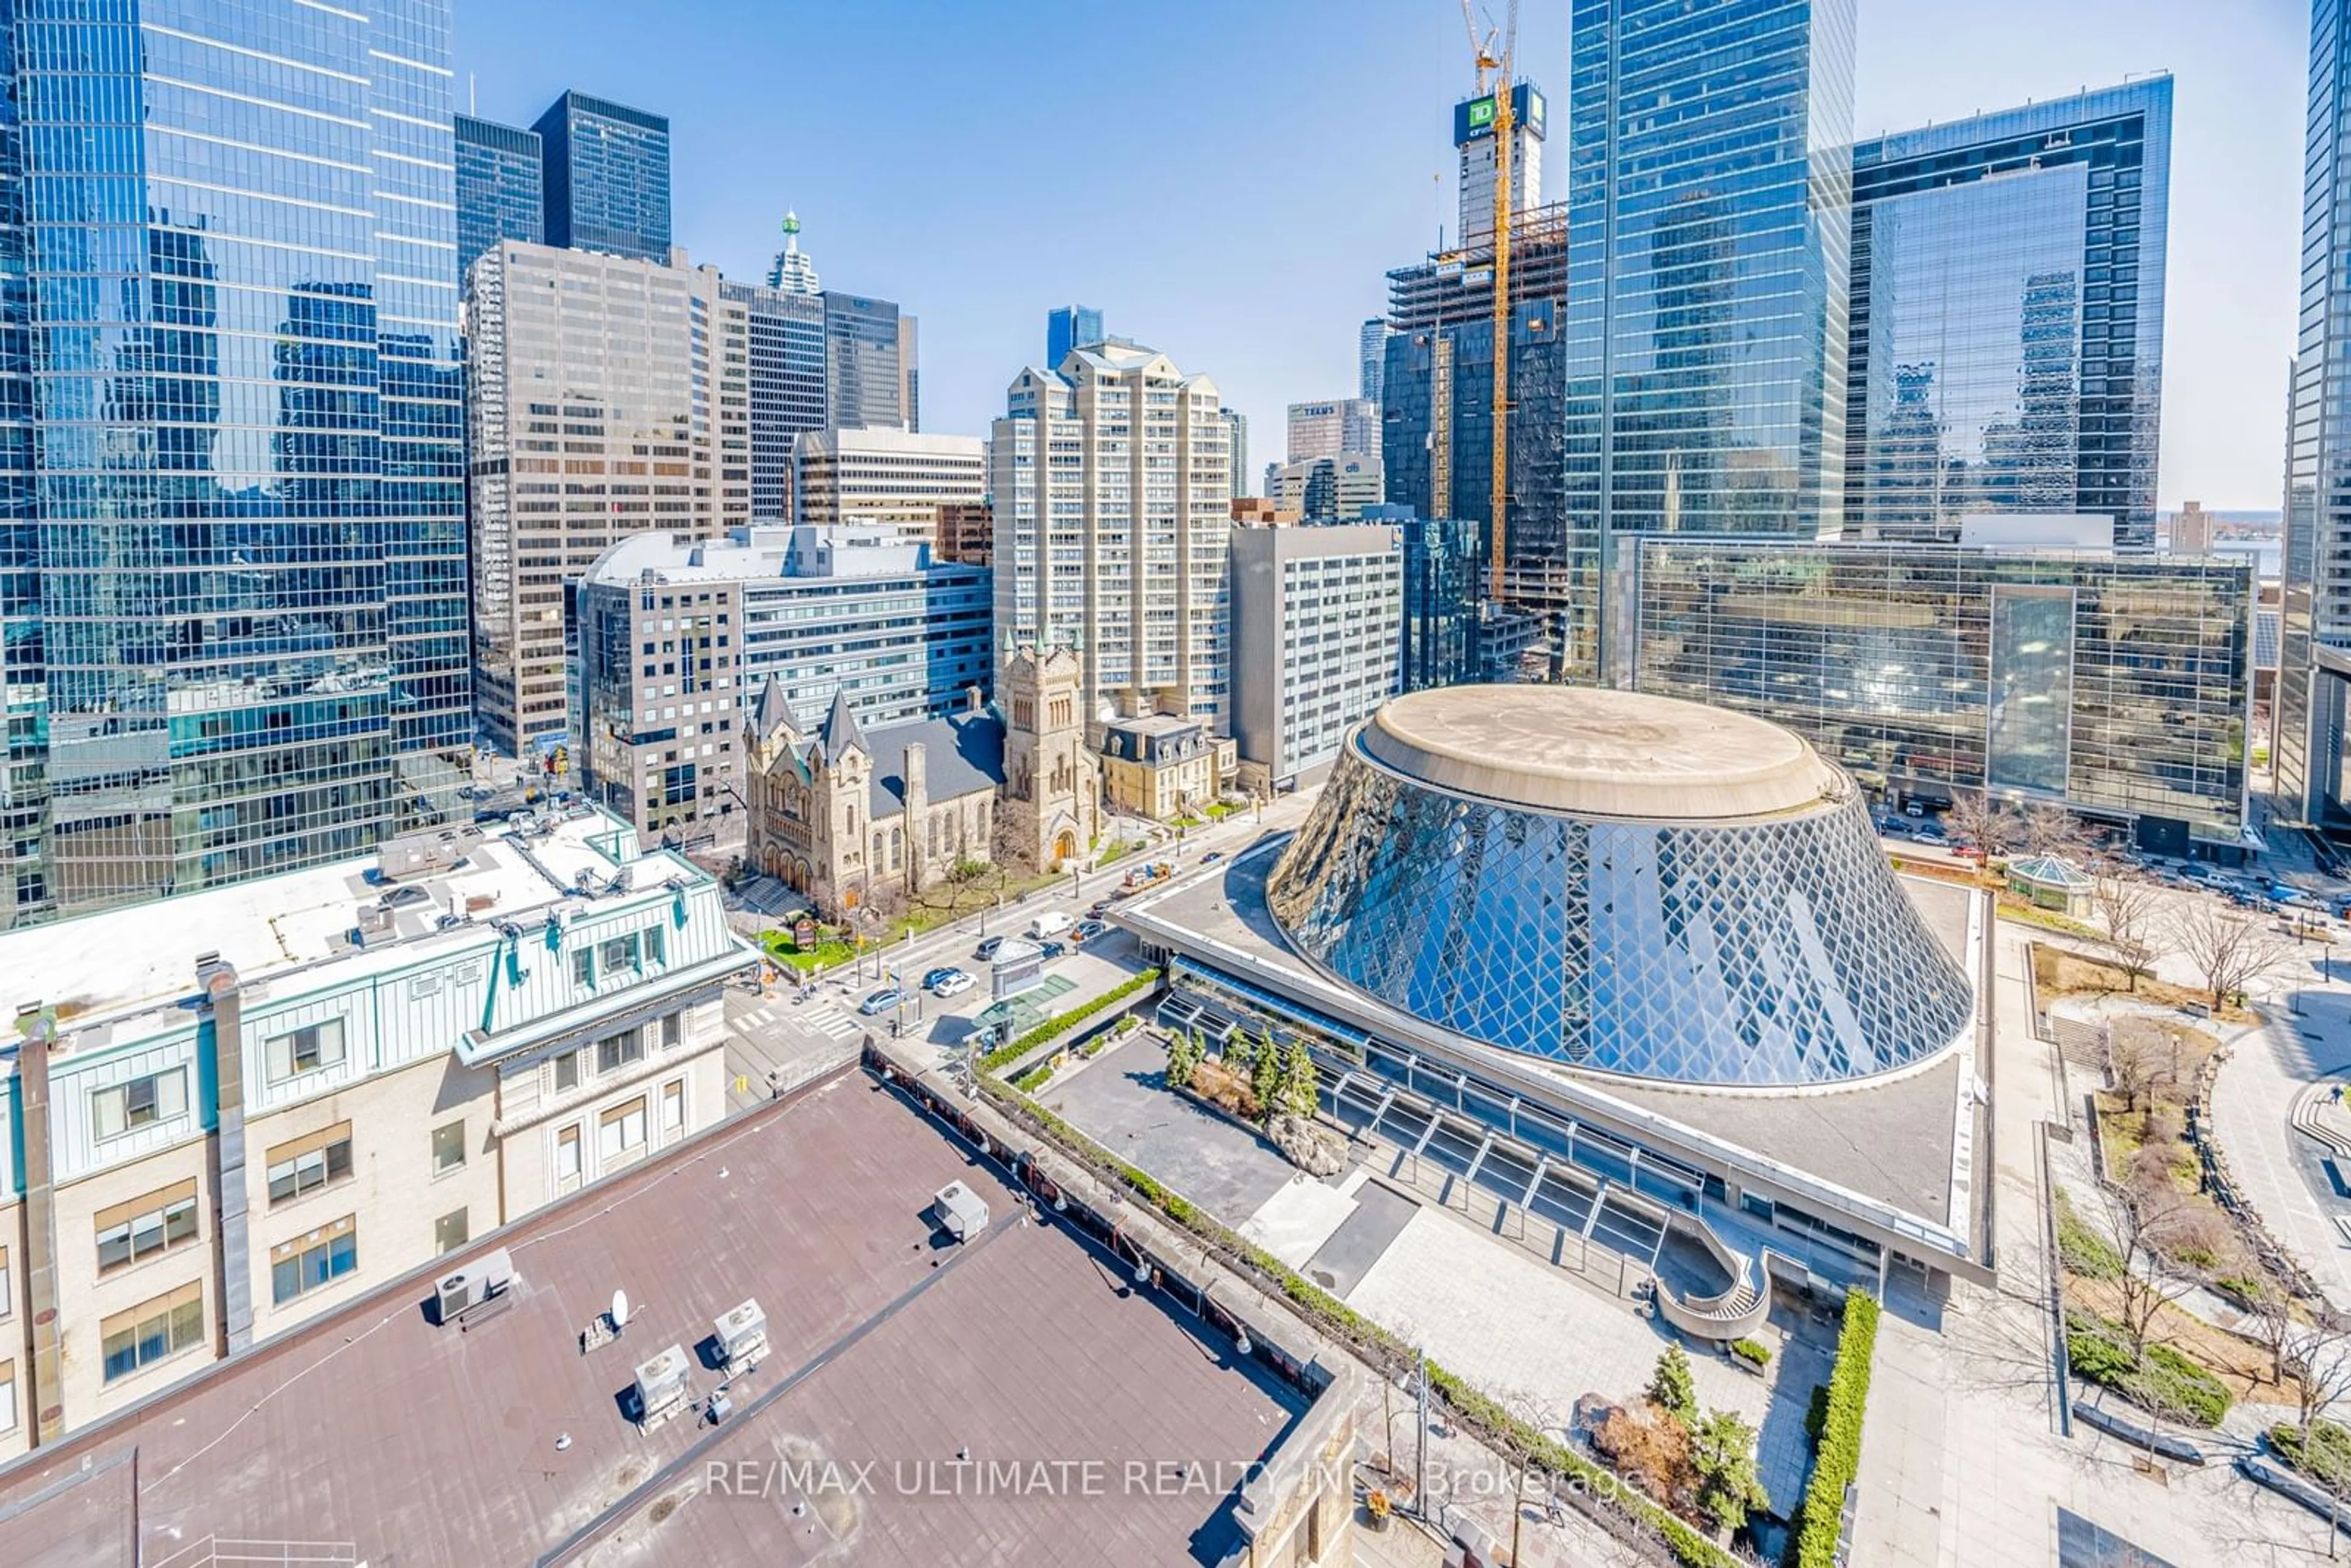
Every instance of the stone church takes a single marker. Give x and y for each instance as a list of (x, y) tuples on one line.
[(850, 814)]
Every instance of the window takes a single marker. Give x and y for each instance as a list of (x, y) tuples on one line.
[(673, 1105), (144, 1227), (449, 1231), (656, 948), (314, 1261), (152, 1331), (618, 952), (673, 1031), (7, 1396), (567, 1153), (305, 1051), (622, 1132), (305, 1164), (567, 1071), (583, 967), (7, 1297), (141, 1103), (615, 1051), (448, 1147)]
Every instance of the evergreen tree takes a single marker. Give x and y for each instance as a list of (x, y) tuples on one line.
[(1297, 1084), (1183, 1056), (1265, 1076), (1722, 1452), (1671, 1389)]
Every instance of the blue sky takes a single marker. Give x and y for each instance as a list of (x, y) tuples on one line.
[(1231, 181)]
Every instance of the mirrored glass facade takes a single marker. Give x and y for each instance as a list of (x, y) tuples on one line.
[(498, 187), (606, 177), (2116, 684), (232, 543), (2006, 321), (787, 365), (1708, 178), (1778, 951)]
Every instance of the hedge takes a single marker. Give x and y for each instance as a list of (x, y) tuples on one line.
[(1839, 1459), (2081, 1249), (1059, 1021), (1690, 1547)]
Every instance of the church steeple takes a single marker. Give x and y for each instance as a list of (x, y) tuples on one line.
[(840, 732), (793, 273)]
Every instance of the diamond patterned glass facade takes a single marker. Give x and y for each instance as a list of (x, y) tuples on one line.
[(1776, 951)]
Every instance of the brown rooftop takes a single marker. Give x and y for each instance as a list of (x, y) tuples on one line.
[(1101, 1428)]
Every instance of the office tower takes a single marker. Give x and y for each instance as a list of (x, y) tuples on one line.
[(1373, 350), (2005, 336), (2116, 684), (787, 385), (1071, 327), (1327, 429), (499, 188), (611, 397), (793, 273), (865, 363), (1112, 485), (1473, 135), (910, 371), (607, 177), (895, 479), (680, 639), (966, 534), (231, 549), (1326, 489), (1316, 617), (1706, 312), (1236, 440)]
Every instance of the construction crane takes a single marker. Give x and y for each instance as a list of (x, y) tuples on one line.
[(1493, 55)]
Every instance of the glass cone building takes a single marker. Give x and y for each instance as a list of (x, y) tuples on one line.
[(232, 547), (2006, 324), (1648, 888)]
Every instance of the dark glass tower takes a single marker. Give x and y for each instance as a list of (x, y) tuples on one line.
[(2006, 337), (1069, 327), (607, 177), (232, 526), (499, 194), (788, 383)]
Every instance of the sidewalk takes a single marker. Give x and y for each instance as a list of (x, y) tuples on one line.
[(2277, 1169)]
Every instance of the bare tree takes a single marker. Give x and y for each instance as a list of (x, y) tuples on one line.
[(2127, 908), (2142, 1225), (2143, 1061), (2273, 1326), (2230, 951), (1545, 1416), (2319, 1357), (1992, 825), (2049, 830)]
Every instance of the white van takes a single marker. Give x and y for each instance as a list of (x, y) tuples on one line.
[(1049, 924)]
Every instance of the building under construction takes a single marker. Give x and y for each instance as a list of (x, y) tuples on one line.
[(1437, 418)]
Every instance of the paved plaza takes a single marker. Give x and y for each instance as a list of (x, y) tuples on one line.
[(2282, 1172)]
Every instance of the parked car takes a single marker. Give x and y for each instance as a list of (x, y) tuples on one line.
[(950, 983), (1098, 908), (1052, 922), (1212, 857), (987, 949), (934, 979), (1052, 950), (1087, 930), (882, 1001)]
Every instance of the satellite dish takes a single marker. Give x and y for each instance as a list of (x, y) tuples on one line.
[(619, 1309)]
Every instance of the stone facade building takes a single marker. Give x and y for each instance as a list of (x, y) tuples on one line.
[(851, 816)]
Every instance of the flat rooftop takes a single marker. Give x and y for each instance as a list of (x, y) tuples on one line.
[(117, 960), (1892, 1140), (890, 1349), (1595, 751)]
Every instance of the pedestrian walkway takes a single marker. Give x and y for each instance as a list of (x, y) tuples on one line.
[(2279, 1172)]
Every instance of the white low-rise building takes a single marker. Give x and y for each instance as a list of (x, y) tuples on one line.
[(241, 1108)]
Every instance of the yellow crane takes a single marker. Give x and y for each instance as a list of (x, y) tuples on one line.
[(1493, 56)]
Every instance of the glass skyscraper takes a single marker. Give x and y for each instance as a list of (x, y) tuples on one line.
[(2006, 337), (1069, 327), (786, 350), (607, 177), (232, 546), (864, 363), (2314, 619), (1708, 180), (499, 188)]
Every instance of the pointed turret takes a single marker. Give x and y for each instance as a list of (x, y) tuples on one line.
[(771, 709), (840, 731)]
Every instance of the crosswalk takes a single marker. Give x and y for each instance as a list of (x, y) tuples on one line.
[(828, 1020)]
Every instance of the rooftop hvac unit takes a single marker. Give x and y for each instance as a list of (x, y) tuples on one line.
[(661, 1387), (469, 1291), (963, 1213), (742, 1335)]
